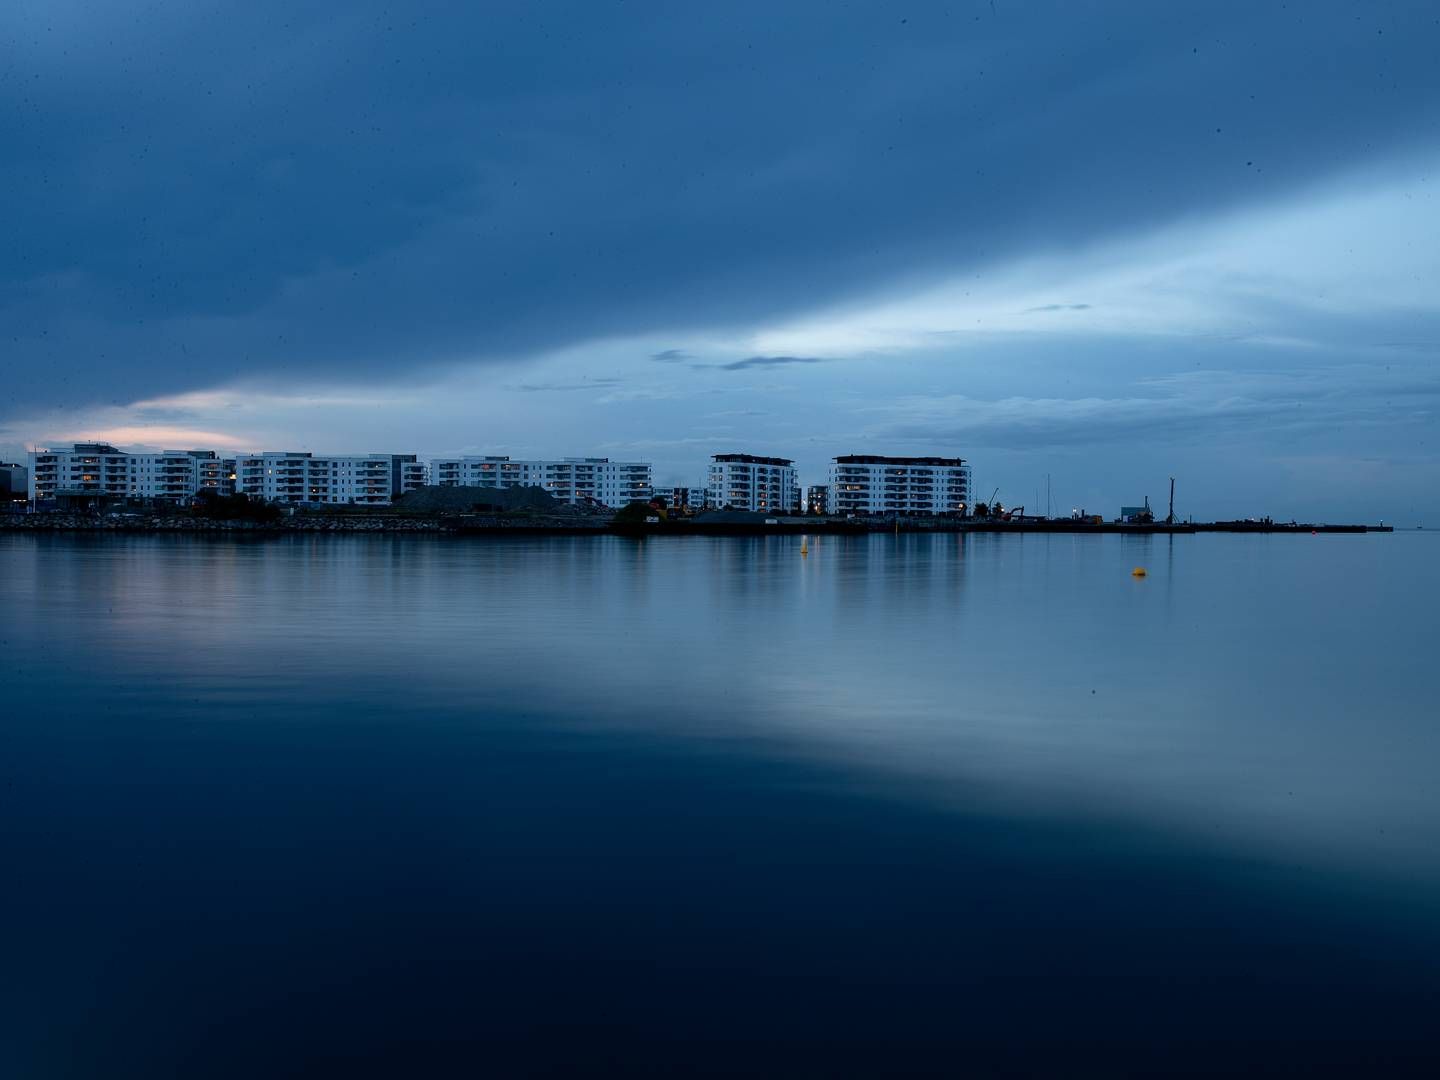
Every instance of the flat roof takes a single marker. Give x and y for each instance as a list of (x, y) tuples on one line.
[(879, 459), (752, 459)]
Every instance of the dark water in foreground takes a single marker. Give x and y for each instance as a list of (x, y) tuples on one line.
[(963, 806)]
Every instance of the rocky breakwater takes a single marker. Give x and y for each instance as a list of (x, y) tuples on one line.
[(358, 523), (545, 523), (177, 523)]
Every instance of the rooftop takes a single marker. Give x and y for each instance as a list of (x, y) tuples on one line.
[(878, 459), (752, 459)]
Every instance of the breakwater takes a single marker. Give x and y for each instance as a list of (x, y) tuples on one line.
[(703, 525), (179, 523)]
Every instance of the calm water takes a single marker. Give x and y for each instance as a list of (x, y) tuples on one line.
[(986, 805)]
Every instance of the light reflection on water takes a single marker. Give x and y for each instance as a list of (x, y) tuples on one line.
[(1263, 699)]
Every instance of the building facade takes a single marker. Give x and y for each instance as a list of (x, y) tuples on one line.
[(817, 499), (343, 480), (99, 472), (871, 484), (14, 482), (492, 472), (571, 480), (688, 499), (749, 482)]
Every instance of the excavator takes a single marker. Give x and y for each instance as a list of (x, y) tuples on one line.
[(999, 513)]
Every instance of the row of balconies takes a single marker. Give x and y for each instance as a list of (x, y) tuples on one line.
[(911, 478), (915, 487)]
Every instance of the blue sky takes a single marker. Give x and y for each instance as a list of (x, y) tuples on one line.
[(1108, 242)]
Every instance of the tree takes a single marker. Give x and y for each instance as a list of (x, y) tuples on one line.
[(237, 507), (636, 512), (981, 510)]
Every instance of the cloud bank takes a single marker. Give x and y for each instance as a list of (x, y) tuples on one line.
[(279, 191)]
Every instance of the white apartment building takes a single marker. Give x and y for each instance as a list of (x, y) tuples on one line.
[(493, 472), (101, 471), (871, 484), (572, 480), (330, 480), (748, 482)]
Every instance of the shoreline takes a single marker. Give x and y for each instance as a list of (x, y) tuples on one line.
[(493, 525)]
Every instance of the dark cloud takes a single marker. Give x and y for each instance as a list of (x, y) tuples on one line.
[(274, 189), (1198, 408), (1057, 307), (762, 362), (671, 356)]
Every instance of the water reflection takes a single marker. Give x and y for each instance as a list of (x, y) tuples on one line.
[(1222, 698), (905, 767)]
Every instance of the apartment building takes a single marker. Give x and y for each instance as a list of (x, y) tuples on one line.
[(691, 499), (330, 480), (407, 473), (817, 499), (14, 481), (571, 480), (749, 482), (871, 484), (493, 472), (98, 471), (213, 473)]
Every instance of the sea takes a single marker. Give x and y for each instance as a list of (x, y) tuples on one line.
[(941, 805)]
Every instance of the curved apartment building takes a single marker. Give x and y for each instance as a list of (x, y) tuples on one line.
[(750, 482)]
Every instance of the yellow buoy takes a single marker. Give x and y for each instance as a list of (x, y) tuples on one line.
[(804, 549), (1139, 571)]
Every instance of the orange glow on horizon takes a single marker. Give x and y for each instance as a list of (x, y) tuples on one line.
[(169, 438)]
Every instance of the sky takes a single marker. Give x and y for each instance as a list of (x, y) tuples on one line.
[(1087, 244)]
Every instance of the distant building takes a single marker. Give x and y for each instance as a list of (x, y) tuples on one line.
[(691, 499), (14, 482), (331, 480), (748, 482), (407, 473), (213, 473), (493, 472), (96, 473), (817, 499), (872, 484), (571, 480), (1136, 514)]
